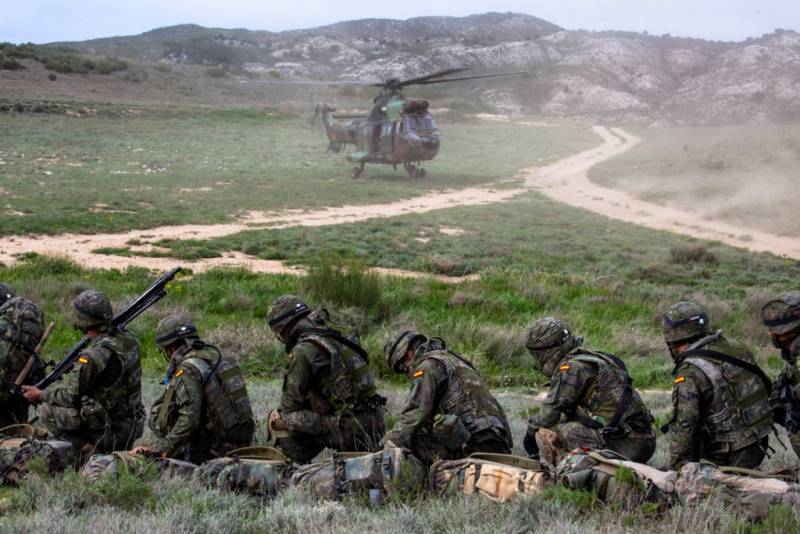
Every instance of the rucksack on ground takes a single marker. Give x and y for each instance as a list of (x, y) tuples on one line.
[(394, 470), (254, 470), (498, 477), (18, 447), (102, 465)]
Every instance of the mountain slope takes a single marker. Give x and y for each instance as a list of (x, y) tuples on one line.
[(613, 76)]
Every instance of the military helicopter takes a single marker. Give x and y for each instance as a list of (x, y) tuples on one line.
[(397, 131)]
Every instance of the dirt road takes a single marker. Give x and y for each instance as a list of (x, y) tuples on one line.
[(571, 185), (565, 180)]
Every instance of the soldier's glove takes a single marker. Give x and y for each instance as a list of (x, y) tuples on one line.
[(530, 445), (276, 426)]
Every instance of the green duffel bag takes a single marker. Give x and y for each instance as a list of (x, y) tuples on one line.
[(102, 465), (377, 473), (254, 470), (18, 446)]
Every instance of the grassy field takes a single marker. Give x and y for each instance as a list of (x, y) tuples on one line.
[(177, 506), (746, 175), (123, 168)]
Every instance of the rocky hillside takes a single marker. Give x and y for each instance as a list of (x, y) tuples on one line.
[(612, 76)]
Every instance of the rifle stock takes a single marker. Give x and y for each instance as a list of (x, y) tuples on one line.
[(152, 294)]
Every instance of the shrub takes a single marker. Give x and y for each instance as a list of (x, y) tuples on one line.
[(217, 72), (344, 282), (9, 63), (52, 77), (692, 254)]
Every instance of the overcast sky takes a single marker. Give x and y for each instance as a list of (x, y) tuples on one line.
[(70, 20)]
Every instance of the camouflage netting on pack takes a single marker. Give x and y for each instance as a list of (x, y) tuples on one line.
[(749, 492), (18, 447), (499, 477), (254, 470), (392, 470), (102, 465), (602, 471)]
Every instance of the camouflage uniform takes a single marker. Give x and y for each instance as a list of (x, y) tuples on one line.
[(591, 402), (205, 411), (721, 410), (449, 412), (782, 317), (99, 403), (328, 397), (21, 329)]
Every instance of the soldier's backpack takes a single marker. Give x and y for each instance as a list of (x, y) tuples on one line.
[(18, 447), (751, 493), (391, 471), (112, 465), (601, 471), (498, 477), (255, 470)]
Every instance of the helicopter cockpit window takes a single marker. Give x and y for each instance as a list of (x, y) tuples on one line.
[(419, 123)]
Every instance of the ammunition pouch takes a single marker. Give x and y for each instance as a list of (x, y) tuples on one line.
[(93, 415)]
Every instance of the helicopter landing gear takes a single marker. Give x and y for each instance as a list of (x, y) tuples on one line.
[(356, 172), (414, 171)]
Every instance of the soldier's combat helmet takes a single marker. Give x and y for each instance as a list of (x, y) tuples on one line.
[(284, 310), (174, 327), (782, 315), (6, 294), (395, 349), (548, 340), (91, 309), (684, 321)]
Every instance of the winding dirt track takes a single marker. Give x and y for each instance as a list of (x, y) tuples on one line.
[(565, 180), (575, 189)]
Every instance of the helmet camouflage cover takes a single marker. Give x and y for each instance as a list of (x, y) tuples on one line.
[(6, 293), (91, 308), (395, 349), (549, 339), (174, 327), (284, 310), (782, 315), (684, 320)]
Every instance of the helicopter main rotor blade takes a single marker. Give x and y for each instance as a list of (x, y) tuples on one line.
[(359, 83), (477, 77), (420, 79)]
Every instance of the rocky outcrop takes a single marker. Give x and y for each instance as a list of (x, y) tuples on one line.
[(612, 76)]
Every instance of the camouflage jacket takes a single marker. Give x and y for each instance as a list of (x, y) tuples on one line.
[(106, 383), (586, 385), (441, 383), (192, 415), (710, 415), (313, 391), (21, 328)]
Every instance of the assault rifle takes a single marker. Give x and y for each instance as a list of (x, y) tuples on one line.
[(789, 404), (153, 294)]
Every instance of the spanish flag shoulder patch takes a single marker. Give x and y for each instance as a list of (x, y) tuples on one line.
[(83, 359), (418, 374), (564, 368), (680, 379), (179, 373)]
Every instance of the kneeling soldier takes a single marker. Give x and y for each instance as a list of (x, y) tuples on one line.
[(592, 402), (98, 405), (449, 412), (205, 411), (720, 397), (328, 397), (782, 317)]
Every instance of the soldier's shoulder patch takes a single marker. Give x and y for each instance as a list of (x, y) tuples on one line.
[(418, 374), (179, 373), (564, 368), (680, 379), (290, 356), (83, 359)]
